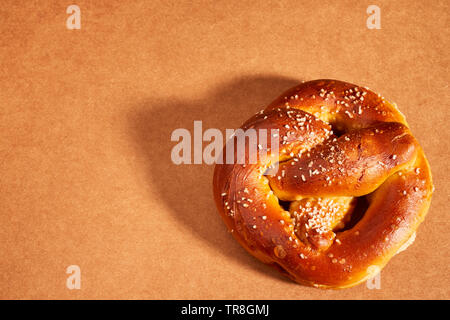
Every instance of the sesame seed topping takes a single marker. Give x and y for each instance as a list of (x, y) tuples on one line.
[(279, 251)]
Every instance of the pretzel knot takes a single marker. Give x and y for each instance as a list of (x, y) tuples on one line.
[(350, 188)]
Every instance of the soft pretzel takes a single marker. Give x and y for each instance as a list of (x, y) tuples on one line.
[(344, 151)]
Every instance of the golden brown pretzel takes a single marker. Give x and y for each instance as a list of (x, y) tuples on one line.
[(340, 145)]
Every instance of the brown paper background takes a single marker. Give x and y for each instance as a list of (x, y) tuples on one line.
[(86, 117)]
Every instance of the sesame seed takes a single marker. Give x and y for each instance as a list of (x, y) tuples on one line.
[(280, 252)]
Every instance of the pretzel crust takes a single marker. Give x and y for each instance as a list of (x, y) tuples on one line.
[(339, 142)]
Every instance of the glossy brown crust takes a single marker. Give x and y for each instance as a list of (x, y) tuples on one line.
[(337, 141)]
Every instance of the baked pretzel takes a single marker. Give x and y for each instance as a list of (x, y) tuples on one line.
[(343, 151)]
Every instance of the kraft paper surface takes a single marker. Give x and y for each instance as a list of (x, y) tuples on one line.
[(86, 117)]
